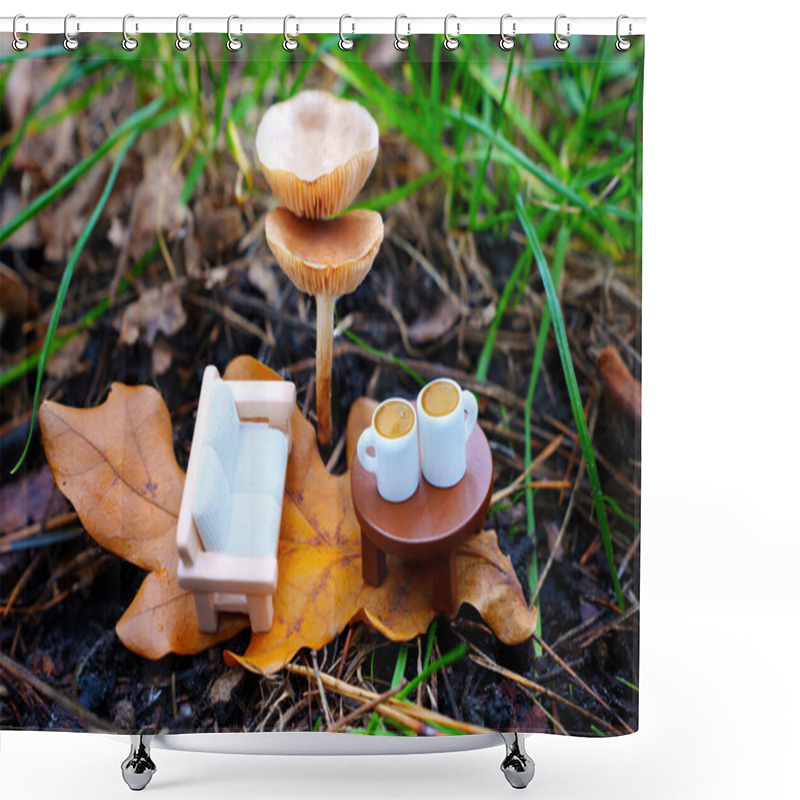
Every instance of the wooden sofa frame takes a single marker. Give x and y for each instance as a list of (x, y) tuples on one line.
[(221, 581)]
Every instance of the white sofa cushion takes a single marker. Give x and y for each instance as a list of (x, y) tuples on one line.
[(261, 464), (255, 524), (239, 495), (212, 503), (222, 429)]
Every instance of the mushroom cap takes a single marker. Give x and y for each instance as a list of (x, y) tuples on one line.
[(325, 256), (317, 151)]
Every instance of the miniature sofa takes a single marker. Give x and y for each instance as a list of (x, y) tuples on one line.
[(230, 514)]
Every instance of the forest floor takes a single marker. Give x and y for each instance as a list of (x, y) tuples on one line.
[(427, 305)]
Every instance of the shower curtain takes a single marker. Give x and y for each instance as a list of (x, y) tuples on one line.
[(151, 226)]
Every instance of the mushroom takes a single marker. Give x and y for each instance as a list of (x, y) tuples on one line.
[(326, 258), (317, 151)]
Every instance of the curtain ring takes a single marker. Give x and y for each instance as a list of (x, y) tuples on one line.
[(623, 44), (289, 44), (345, 43), (400, 42), (507, 42), (70, 42), (560, 43), (233, 44), (450, 42), (18, 43), (128, 42), (181, 42)]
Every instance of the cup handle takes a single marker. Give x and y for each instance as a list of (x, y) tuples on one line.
[(367, 438), (471, 407)]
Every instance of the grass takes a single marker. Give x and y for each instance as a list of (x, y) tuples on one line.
[(536, 367), (552, 132), (83, 238), (560, 332)]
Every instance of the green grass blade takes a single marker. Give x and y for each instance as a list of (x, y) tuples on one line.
[(393, 196), (399, 673), (518, 118), (479, 183), (429, 643), (70, 75), (519, 273), (135, 121), (560, 332), (64, 286), (398, 362), (536, 367), (456, 654), (521, 159), (30, 362)]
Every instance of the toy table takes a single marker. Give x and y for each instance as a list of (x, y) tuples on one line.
[(430, 525)]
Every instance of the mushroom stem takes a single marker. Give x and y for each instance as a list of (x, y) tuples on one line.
[(325, 304)]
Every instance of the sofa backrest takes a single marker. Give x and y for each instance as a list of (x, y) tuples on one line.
[(213, 501)]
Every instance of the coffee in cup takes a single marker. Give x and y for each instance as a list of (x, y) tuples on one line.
[(394, 419), (393, 437), (447, 416), (440, 398)]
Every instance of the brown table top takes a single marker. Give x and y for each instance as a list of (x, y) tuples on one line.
[(432, 521)]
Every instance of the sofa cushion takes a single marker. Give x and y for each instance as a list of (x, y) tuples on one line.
[(212, 503), (261, 464), (222, 430), (255, 524)]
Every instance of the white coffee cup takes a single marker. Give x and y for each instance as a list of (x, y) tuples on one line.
[(393, 436), (447, 418)]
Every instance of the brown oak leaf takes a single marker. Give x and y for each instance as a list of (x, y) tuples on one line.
[(623, 388), (117, 465)]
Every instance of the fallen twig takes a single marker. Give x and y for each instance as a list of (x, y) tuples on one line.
[(485, 662), (391, 708), (24, 676), (364, 708), (537, 462)]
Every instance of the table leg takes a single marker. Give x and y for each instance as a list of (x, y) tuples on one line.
[(373, 562), (445, 584)]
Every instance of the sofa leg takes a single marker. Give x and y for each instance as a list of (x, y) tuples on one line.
[(259, 607), (206, 613)]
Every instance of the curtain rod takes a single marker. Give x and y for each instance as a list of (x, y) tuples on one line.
[(456, 26)]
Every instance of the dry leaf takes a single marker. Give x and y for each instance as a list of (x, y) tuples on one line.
[(157, 309), (16, 300), (117, 465), (263, 277), (117, 233), (623, 388), (220, 229), (62, 224), (161, 357), (30, 234), (50, 150), (66, 361), (156, 204), (28, 499), (432, 327)]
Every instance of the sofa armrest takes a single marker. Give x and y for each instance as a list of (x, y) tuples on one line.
[(271, 401), (188, 541)]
